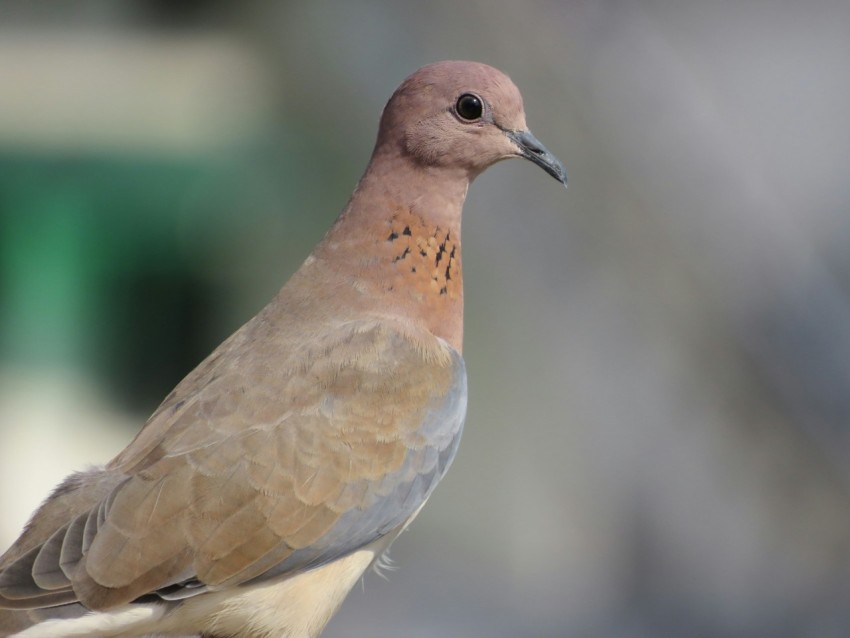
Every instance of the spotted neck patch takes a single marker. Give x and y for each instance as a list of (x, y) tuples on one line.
[(426, 258)]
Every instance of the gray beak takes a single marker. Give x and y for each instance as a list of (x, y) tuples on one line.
[(531, 149)]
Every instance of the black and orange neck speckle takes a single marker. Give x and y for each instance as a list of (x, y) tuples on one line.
[(395, 250), (402, 265), (424, 259)]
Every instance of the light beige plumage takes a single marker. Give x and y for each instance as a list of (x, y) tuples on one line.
[(285, 464)]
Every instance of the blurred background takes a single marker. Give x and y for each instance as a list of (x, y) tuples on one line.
[(658, 440)]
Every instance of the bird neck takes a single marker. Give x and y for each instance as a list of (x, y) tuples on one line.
[(397, 244)]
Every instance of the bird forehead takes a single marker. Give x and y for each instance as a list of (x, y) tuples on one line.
[(444, 82)]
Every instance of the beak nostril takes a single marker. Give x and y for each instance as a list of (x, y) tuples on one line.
[(531, 148)]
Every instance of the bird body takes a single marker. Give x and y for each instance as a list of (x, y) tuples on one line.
[(285, 464)]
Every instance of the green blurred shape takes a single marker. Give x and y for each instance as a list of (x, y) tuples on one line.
[(48, 245), (74, 232)]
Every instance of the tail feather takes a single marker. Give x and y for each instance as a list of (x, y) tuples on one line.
[(75, 621)]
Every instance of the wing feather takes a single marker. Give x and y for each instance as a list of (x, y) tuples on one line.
[(255, 467)]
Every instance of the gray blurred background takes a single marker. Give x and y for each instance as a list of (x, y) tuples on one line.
[(658, 441)]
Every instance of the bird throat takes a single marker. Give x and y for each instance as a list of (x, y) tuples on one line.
[(400, 252), (420, 265), (423, 258)]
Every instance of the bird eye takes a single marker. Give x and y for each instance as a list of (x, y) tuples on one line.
[(469, 106)]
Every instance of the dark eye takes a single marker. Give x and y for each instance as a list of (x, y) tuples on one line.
[(469, 106)]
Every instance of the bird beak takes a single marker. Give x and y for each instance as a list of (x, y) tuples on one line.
[(530, 148)]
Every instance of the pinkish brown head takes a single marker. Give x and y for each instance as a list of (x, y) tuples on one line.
[(461, 115)]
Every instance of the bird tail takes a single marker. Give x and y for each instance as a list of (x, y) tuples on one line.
[(75, 621)]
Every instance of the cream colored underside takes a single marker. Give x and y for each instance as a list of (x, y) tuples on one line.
[(295, 607)]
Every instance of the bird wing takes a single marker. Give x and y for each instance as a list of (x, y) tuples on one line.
[(252, 469)]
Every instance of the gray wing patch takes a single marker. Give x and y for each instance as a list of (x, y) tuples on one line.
[(412, 484), (405, 491), (42, 575)]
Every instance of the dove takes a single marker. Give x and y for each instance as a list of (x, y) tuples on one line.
[(285, 464)]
